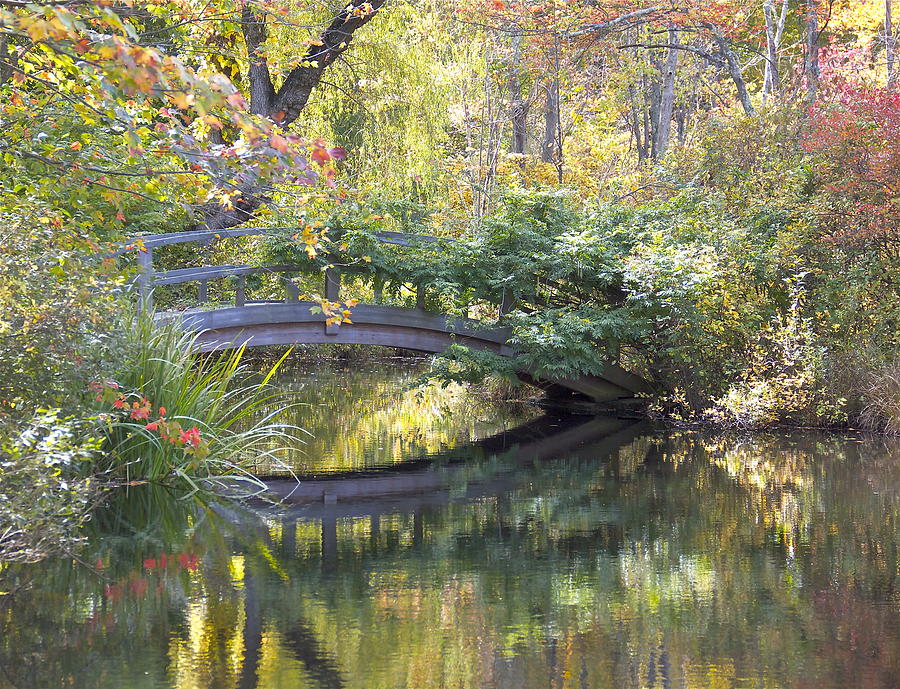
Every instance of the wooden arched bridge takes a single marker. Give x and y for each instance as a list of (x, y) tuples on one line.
[(292, 321)]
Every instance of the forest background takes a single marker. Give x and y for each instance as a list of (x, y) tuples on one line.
[(707, 190)]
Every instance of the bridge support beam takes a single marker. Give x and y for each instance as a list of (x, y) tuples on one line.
[(145, 279), (378, 289), (240, 291), (333, 284), (292, 291), (507, 303), (332, 294)]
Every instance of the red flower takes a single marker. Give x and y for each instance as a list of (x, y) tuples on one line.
[(141, 413), (120, 404), (150, 563), (152, 426), (190, 436), (162, 411)]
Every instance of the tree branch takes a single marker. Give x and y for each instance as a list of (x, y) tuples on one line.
[(676, 46), (608, 27), (294, 93)]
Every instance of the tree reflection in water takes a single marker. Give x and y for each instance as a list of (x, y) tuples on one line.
[(635, 559)]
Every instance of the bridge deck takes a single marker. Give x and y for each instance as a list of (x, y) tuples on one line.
[(278, 323)]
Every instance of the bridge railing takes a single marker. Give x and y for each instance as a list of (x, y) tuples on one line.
[(148, 277)]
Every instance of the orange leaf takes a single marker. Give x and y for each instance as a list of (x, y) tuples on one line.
[(321, 156)]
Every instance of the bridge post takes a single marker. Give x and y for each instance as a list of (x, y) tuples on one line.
[(240, 288), (333, 284), (203, 292), (332, 294), (507, 304), (378, 289), (293, 293), (145, 279)]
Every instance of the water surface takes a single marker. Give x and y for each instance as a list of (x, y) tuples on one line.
[(372, 414), (566, 554)]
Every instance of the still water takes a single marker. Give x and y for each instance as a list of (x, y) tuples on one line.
[(539, 553)]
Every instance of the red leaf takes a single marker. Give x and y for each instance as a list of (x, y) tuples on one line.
[(321, 156)]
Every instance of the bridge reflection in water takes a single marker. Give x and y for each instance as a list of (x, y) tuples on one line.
[(411, 495)]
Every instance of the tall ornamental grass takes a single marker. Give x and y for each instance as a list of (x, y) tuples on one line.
[(173, 415)]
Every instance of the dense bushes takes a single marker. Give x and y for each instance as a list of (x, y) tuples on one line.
[(739, 313), (45, 492)]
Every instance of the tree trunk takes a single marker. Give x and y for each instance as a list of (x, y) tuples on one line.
[(294, 93), (734, 70), (636, 126), (283, 105), (667, 98), (889, 43), (772, 79), (655, 95), (262, 92), (811, 65), (518, 107), (551, 121)]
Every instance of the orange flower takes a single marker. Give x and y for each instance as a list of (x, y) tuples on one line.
[(190, 436)]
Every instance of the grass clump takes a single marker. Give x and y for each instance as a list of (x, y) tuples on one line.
[(173, 415)]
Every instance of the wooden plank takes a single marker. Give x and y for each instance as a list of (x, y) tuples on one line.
[(272, 324), (181, 275), (275, 313), (380, 335), (240, 291)]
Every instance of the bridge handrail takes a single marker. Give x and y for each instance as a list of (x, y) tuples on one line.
[(152, 241), (147, 276)]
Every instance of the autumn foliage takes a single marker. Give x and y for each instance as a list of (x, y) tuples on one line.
[(856, 136)]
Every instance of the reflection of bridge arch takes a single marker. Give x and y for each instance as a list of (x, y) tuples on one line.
[(292, 321), (411, 488), (412, 485)]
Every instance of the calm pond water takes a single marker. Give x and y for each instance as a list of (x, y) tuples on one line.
[(568, 553)]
